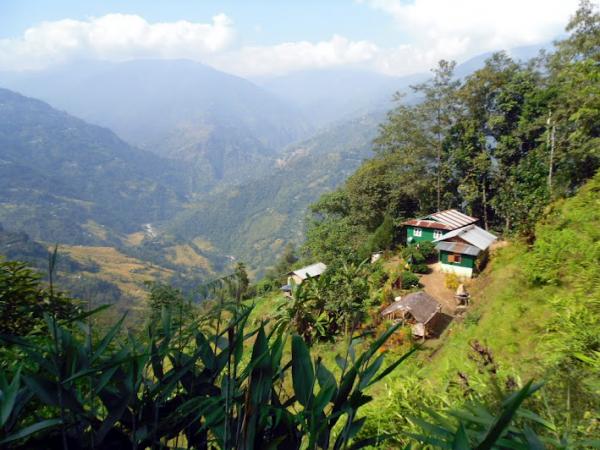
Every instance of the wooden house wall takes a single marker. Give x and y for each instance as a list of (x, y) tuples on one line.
[(467, 261), (426, 234)]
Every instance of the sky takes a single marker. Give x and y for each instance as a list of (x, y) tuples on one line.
[(268, 38)]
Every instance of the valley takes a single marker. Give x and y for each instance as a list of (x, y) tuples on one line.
[(227, 235)]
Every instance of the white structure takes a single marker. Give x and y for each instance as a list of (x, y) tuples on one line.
[(460, 249), (299, 275), (376, 257)]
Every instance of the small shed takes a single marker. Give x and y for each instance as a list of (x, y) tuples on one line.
[(418, 309), (299, 275)]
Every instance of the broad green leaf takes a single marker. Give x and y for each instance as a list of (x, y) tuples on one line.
[(108, 337), (385, 372), (533, 442), (9, 394), (370, 372), (87, 314), (31, 430), (303, 376), (323, 398), (461, 441), (341, 362), (510, 408), (325, 377)]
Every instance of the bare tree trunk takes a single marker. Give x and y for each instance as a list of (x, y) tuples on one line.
[(484, 198), (439, 161), (439, 174), (550, 143)]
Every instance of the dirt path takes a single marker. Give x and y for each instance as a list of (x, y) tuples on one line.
[(433, 284)]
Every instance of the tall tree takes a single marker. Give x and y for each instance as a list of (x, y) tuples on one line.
[(574, 80), (418, 132), (439, 110)]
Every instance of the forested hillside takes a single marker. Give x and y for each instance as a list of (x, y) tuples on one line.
[(255, 219), (224, 127), (499, 144), (63, 180), (535, 314)]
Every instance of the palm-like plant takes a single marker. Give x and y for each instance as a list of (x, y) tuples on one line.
[(192, 386)]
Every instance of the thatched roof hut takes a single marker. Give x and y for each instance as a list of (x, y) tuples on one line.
[(418, 307)]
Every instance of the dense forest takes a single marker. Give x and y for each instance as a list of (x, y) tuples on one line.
[(233, 364), (499, 144)]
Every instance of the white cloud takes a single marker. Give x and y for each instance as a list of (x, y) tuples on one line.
[(459, 29), (114, 37), (430, 29), (292, 56)]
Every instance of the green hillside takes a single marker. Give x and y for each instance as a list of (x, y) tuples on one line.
[(224, 127), (536, 309), (253, 220), (59, 174)]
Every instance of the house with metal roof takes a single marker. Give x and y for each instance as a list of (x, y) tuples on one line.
[(461, 251), (299, 275), (435, 226)]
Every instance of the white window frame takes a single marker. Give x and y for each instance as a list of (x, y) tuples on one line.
[(417, 232), (437, 234)]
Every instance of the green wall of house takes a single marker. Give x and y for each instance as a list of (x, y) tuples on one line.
[(426, 234), (467, 261)]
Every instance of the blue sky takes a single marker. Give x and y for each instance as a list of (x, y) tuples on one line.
[(260, 22), (253, 38)]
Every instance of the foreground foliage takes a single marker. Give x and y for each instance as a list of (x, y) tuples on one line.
[(192, 385)]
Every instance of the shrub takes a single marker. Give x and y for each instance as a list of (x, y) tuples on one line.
[(379, 276), (427, 249), (451, 281), (420, 268), (409, 280), (412, 254), (265, 286), (472, 318), (24, 300)]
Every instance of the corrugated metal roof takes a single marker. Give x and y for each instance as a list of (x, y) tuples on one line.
[(452, 218), (428, 224), (472, 234), (313, 270), (458, 247)]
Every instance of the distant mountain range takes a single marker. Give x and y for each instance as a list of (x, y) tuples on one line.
[(216, 164), (255, 219), (330, 96), (216, 122), (64, 180)]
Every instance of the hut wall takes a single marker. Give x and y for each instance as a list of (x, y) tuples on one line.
[(297, 280)]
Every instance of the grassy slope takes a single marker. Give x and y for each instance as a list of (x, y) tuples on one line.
[(524, 292), (536, 308), (505, 315)]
